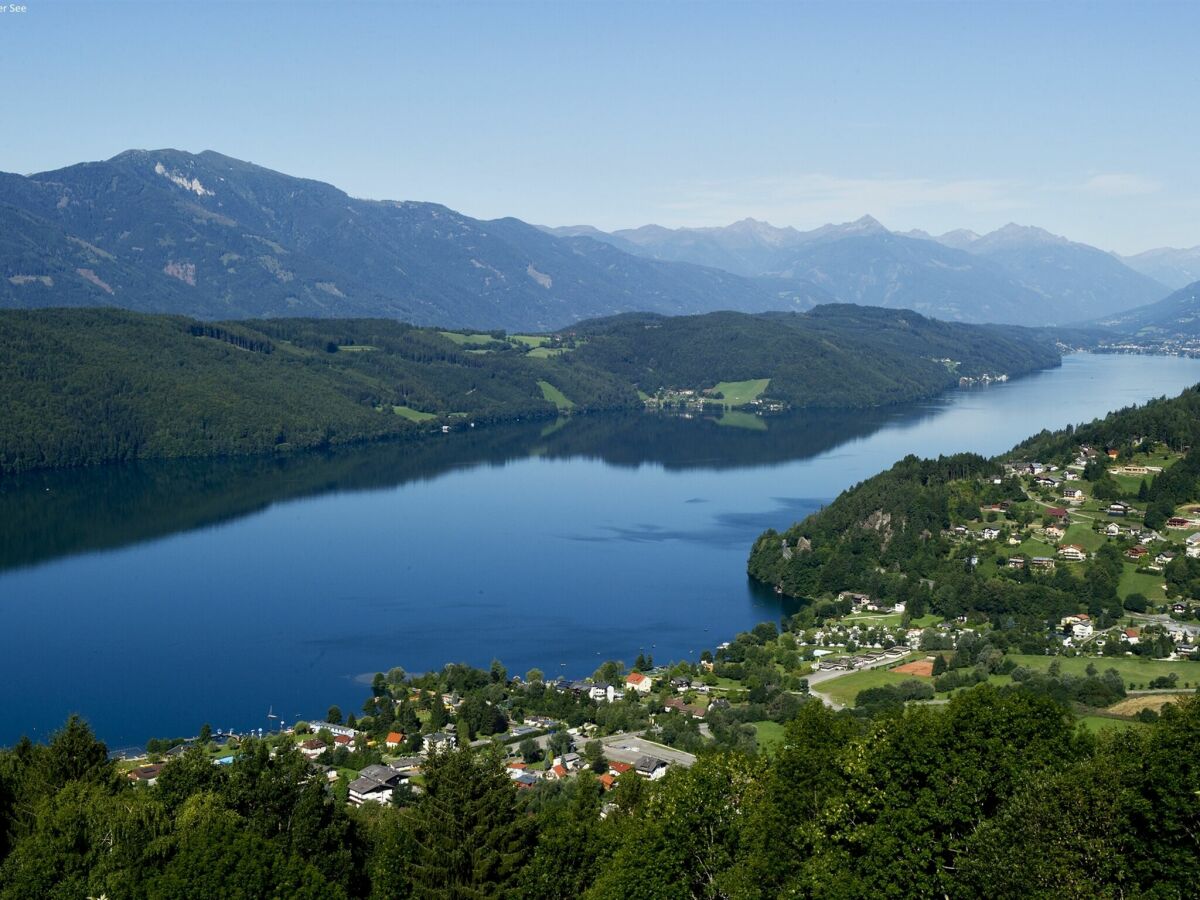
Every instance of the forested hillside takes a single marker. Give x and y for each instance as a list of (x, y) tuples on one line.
[(836, 355), (82, 387), (937, 534)]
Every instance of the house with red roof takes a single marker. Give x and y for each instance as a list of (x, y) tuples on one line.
[(637, 681)]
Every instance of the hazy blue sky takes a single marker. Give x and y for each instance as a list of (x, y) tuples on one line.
[(1081, 118)]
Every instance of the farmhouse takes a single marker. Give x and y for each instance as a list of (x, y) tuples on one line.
[(1072, 552)]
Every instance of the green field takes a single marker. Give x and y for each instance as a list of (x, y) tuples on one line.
[(555, 396), (355, 348), (846, 688), (1081, 533), (1132, 669), (1130, 484), (1135, 582), (1031, 548), (736, 393), (1096, 724), (769, 734), (544, 353), (467, 340), (529, 340), (413, 415)]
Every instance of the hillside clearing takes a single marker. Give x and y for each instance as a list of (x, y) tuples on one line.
[(555, 396), (737, 393)]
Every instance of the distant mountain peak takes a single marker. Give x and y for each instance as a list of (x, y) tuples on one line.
[(1014, 233), (865, 224)]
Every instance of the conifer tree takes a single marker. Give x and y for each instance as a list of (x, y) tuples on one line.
[(470, 841)]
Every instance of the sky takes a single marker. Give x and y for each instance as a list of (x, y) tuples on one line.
[(1081, 118)]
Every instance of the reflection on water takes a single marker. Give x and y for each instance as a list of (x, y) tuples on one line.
[(154, 597), (52, 514)]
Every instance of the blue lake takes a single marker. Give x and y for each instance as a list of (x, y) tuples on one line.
[(151, 598)]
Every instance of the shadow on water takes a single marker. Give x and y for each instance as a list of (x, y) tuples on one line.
[(49, 515)]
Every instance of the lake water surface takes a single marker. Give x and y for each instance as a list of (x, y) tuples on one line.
[(151, 598)]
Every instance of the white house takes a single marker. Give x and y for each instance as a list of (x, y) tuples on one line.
[(650, 767), (438, 741), (1072, 552), (1081, 630), (636, 681), (374, 784)]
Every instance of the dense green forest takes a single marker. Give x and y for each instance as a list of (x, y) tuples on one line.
[(995, 794), (836, 355), (88, 386), (81, 387)]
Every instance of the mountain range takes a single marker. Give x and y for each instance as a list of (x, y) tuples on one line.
[(1015, 274), (1176, 317), (214, 237), (1173, 267)]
